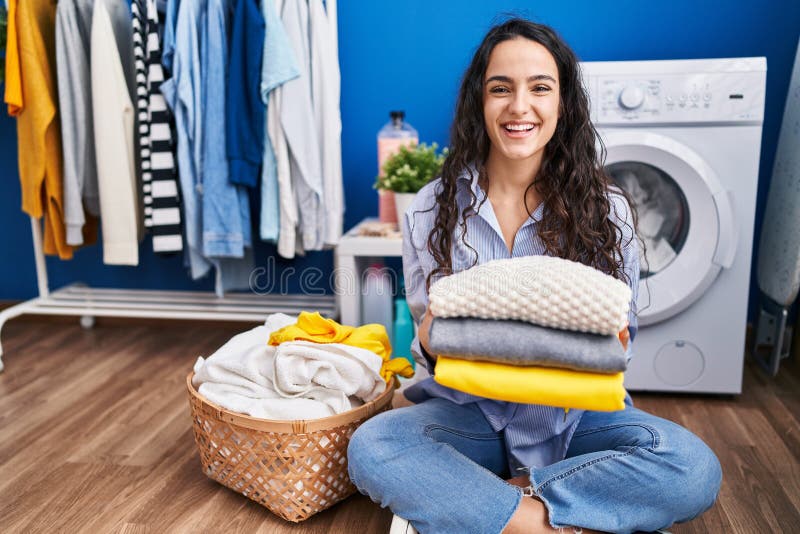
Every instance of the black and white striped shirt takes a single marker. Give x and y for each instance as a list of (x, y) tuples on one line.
[(162, 215)]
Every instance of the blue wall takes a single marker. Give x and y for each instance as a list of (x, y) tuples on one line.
[(410, 55)]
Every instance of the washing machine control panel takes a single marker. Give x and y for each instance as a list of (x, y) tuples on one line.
[(697, 97)]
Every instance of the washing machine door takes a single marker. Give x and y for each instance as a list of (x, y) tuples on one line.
[(686, 226)]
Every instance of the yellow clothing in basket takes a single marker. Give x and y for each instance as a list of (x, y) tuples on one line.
[(312, 327), (31, 96), (549, 386), (372, 337)]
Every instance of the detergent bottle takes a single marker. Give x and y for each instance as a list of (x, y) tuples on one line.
[(376, 297), (403, 331), (394, 134)]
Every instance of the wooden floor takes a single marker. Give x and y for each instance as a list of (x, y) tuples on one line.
[(95, 436)]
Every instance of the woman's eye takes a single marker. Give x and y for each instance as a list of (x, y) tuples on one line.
[(541, 89), (498, 89)]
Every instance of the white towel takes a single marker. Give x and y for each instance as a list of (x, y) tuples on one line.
[(263, 406), (303, 367), (240, 375)]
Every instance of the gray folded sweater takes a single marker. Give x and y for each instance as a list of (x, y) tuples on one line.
[(522, 343)]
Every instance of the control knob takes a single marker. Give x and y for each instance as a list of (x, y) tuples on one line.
[(631, 97)]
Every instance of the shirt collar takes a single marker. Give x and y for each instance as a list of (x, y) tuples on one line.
[(470, 176)]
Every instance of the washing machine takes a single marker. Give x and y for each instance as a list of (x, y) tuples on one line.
[(683, 138)]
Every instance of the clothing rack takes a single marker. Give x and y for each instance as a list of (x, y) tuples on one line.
[(88, 303)]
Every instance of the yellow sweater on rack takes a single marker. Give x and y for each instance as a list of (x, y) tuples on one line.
[(316, 328), (13, 94), (31, 96)]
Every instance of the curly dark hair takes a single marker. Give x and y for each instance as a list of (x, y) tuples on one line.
[(571, 181)]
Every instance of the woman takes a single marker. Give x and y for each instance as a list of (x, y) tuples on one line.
[(523, 177)]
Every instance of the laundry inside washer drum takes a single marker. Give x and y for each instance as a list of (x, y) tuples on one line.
[(662, 209)]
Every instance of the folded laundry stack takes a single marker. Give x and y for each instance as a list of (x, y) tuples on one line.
[(304, 367), (537, 330)]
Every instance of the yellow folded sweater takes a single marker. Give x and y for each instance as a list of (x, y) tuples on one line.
[(316, 328), (549, 386)]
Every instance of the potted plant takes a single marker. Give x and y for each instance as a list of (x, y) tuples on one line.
[(407, 171)]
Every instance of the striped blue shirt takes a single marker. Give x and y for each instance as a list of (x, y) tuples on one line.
[(535, 435)]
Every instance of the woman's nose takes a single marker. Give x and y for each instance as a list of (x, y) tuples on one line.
[(519, 103)]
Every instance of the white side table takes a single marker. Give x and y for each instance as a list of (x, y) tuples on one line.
[(352, 256)]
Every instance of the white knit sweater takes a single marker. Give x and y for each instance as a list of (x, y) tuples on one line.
[(543, 290)]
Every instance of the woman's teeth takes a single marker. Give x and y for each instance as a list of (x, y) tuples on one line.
[(519, 127)]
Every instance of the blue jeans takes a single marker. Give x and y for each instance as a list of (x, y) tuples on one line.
[(441, 466)]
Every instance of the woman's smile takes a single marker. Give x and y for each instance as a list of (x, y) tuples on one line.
[(520, 130)]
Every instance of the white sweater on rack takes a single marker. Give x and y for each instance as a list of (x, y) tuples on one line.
[(112, 90)]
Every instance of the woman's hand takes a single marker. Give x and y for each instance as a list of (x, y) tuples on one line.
[(423, 330)]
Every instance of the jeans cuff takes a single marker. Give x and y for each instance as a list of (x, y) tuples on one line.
[(513, 510), (532, 489)]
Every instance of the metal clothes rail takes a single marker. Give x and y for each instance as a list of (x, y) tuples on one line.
[(88, 303)]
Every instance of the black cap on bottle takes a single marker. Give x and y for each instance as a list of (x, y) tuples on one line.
[(397, 115)]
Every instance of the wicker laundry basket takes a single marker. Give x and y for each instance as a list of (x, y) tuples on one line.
[(294, 468)]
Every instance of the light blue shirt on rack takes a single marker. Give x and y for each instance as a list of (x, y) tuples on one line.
[(182, 91), (216, 213), (535, 435), (226, 210), (168, 44)]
